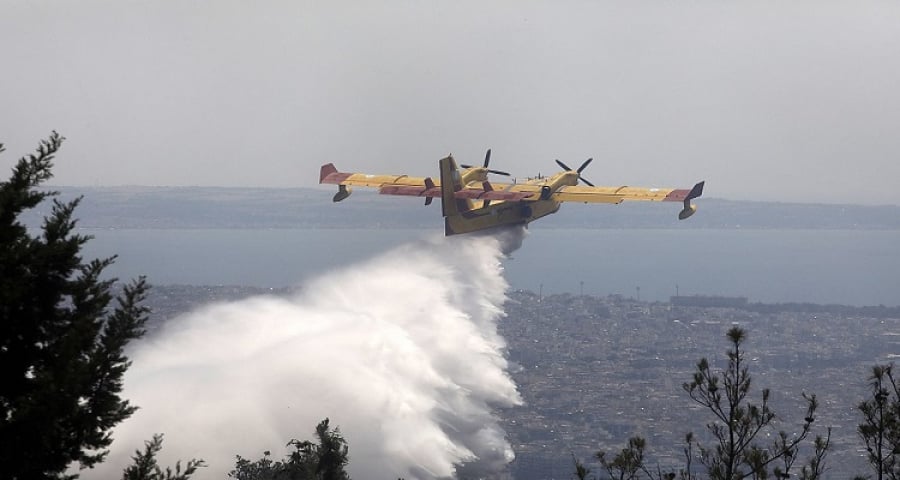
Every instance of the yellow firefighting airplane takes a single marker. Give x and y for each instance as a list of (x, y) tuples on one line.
[(472, 203)]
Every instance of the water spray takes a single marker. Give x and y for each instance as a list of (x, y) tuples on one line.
[(401, 352)]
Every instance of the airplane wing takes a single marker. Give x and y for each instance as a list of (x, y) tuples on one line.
[(330, 174), (412, 186), (619, 194), (587, 194)]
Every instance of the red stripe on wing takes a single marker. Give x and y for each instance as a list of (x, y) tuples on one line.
[(473, 194), (677, 195), (410, 191)]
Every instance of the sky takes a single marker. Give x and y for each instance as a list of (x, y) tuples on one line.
[(765, 100)]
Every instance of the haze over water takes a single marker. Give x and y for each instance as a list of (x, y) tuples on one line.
[(854, 267)]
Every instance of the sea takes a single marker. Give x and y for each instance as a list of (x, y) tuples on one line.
[(851, 267)]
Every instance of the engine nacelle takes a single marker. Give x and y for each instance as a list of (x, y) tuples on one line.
[(546, 192), (342, 193)]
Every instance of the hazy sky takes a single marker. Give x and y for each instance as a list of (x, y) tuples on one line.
[(769, 100)]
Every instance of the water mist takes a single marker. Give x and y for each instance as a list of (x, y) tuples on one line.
[(401, 352)]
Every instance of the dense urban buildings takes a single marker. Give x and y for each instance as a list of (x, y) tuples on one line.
[(595, 371)]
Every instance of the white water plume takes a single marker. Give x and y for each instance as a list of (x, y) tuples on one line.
[(401, 352)]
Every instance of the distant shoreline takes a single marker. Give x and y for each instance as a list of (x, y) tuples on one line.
[(138, 207), (195, 295)]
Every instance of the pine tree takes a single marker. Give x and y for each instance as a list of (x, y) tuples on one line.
[(325, 460), (735, 430), (61, 344), (880, 429), (145, 466), (627, 464), (738, 422)]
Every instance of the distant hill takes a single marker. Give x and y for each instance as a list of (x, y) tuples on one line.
[(211, 207)]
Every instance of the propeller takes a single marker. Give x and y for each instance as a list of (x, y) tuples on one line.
[(487, 161), (580, 169)]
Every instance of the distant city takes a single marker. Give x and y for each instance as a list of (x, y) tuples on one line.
[(594, 371)]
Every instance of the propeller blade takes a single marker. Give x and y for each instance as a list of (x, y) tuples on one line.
[(585, 164), (580, 169), (487, 161)]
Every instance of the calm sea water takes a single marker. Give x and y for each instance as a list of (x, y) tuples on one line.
[(820, 266)]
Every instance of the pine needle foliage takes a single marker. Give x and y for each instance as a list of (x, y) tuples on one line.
[(62, 343)]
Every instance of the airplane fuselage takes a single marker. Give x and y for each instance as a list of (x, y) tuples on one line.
[(484, 214), (500, 214)]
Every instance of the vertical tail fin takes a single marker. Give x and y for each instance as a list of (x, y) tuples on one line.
[(451, 182)]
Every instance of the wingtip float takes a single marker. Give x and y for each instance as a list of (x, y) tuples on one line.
[(471, 202), (690, 208)]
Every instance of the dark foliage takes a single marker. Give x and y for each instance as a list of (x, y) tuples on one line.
[(324, 460), (737, 451), (61, 345), (880, 429), (738, 422), (145, 466)]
